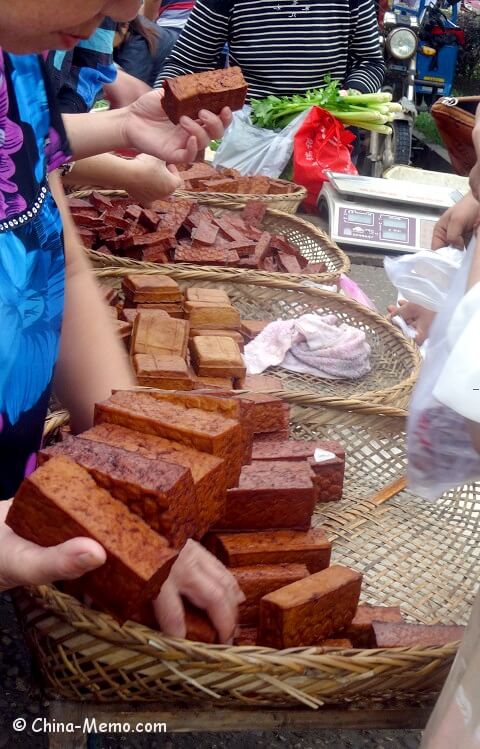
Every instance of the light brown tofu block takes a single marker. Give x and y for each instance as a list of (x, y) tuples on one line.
[(220, 383), (212, 316), (151, 288), (214, 356), (165, 372), (310, 610), (172, 309), (233, 334), (211, 296), (263, 383), (158, 335)]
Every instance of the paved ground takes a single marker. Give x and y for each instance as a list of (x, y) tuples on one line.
[(19, 699)]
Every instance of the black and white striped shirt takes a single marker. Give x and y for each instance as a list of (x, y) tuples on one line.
[(283, 46)]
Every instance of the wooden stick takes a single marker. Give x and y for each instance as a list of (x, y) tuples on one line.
[(389, 491)]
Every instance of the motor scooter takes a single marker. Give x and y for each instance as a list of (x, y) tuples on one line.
[(420, 45)]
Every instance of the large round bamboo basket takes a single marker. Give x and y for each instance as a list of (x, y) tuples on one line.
[(287, 202), (395, 361), (313, 243), (420, 556)]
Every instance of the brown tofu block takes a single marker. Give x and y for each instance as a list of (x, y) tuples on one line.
[(200, 254), (310, 610), (165, 372), (254, 213), (209, 473), (280, 436), (270, 414), (270, 496), (262, 248), (328, 476), (87, 237), (212, 296), (288, 263), (233, 334), (311, 548), (222, 383), (219, 185), (360, 630), (133, 212), (214, 356), (262, 383), (102, 202), (157, 335), (209, 432), (251, 328), (258, 580), (129, 315), (236, 409), (391, 635), (246, 636), (198, 171), (339, 643), (212, 90), (205, 233), (161, 493), (315, 268), (259, 185), (296, 450), (61, 501), (151, 288), (199, 626)]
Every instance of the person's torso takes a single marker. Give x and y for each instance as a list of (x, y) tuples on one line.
[(288, 46), (174, 13), (32, 143)]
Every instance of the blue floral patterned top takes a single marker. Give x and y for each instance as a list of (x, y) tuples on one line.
[(32, 143)]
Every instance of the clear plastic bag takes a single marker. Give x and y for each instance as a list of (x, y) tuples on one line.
[(424, 277), (455, 722), (446, 400), (256, 150)]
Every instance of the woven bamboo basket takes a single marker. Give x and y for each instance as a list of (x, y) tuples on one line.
[(423, 557), (313, 243), (288, 202), (395, 361)]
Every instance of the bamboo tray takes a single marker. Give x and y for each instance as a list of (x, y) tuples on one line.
[(287, 202), (395, 361), (423, 557), (313, 244)]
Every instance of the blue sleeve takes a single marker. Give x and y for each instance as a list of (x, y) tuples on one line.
[(79, 76)]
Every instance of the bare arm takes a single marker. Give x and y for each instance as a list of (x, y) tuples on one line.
[(92, 360), (145, 178)]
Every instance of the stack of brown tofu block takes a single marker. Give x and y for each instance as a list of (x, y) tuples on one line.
[(159, 468), (207, 178), (185, 341), (182, 231)]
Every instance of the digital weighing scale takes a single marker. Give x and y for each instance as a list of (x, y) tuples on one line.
[(388, 215)]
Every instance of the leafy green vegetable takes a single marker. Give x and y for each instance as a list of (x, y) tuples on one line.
[(370, 111)]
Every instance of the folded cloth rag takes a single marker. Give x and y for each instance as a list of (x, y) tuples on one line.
[(320, 345)]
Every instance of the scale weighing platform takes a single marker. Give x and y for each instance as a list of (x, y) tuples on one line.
[(388, 215)]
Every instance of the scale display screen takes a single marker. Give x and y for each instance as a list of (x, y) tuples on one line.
[(360, 218), (395, 223), (398, 236)]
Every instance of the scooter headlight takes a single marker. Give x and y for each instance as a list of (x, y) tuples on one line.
[(402, 43)]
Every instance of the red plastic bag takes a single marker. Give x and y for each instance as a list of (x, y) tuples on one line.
[(321, 144)]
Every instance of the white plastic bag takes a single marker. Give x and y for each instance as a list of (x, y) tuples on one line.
[(424, 277), (256, 150), (441, 453)]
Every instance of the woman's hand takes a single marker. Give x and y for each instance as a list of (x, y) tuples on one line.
[(417, 317), (454, 227), (147, 128), (24, 563), (148, 179), (201, 578)]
